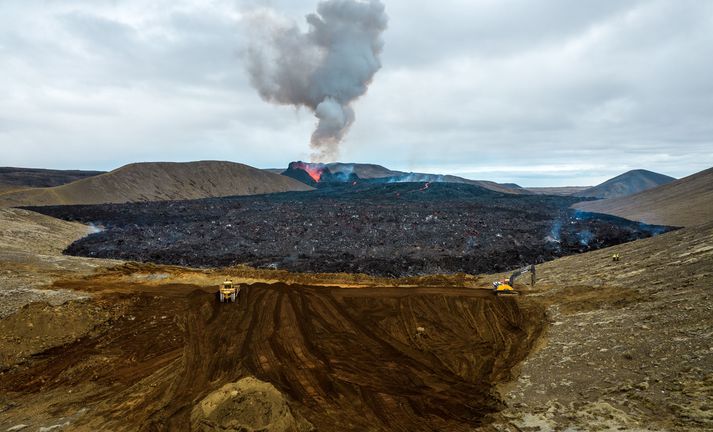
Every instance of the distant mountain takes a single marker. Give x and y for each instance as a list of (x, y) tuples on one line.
[(12, 178), (684, 202), (363, 170), (158, 181), (311, 173), (558, 190), (629, 183)]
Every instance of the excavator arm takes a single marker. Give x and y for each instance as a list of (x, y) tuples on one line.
[(527, 269)]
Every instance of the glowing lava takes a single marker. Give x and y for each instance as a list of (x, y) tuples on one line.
[(315, 170)]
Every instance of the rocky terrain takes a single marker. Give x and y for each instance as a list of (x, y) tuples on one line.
[(595, 345), (395, 229), (157, 181), (629, 183), (629, 343), (684, 202)]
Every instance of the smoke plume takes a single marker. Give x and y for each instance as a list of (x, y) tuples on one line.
[(324, 69)]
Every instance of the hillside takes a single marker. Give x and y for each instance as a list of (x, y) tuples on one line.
[(158, 181), (12, 178), (629, 183), (684, 202), (629, 341)]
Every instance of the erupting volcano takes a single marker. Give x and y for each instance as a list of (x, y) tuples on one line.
[(315, 170), (315, 173)]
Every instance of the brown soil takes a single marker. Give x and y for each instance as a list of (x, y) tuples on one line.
[(349, 359)]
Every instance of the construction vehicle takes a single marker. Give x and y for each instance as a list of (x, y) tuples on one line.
[(506, 286), (227, 292)]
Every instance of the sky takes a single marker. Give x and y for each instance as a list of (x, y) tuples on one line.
[(540, 92)]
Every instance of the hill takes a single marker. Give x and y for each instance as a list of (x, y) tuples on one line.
[(684, 202), (158, 181), (12, 178), (629, 183)]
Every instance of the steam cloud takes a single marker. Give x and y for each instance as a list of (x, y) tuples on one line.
[(324, 69)]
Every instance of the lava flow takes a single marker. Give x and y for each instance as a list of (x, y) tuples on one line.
[(315, 170)]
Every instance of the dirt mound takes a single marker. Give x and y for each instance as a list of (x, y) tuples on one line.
[(246, 406), (629, 183), (684, 202), (39, 326), (158, 181), (393, 229)]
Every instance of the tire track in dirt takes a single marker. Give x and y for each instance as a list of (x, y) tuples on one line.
[(348, 359)]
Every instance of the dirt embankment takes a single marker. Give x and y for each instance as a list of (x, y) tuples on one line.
[(346, 359)]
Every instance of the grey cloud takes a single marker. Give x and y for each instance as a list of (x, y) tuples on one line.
[(466, 87)]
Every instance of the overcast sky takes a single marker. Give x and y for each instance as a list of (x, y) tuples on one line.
[(535, 92)]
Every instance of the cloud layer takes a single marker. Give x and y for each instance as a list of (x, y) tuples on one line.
[(534, 92)]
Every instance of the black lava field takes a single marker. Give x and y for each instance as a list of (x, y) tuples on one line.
[(396, 229)]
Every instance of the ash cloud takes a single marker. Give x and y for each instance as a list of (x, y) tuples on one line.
[(324, 69)]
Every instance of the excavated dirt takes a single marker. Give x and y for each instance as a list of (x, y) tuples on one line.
[(347, 359), (379, 229)]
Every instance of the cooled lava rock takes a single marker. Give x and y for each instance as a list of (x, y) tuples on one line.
[(395, 229)]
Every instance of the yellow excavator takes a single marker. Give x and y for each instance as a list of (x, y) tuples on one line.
[(228, 292), (506, 286)]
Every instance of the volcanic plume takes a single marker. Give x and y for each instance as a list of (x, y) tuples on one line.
[(324, 69)]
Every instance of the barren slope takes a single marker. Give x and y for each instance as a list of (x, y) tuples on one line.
[(157, 181), (30, 258), (629, 183), (684, 202), (629, 347)]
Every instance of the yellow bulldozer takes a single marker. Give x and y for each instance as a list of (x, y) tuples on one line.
[(228, 292), (506, 286)]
